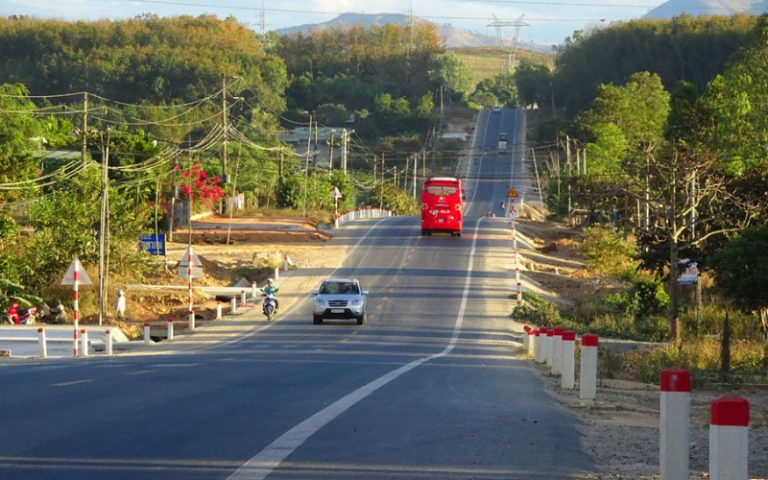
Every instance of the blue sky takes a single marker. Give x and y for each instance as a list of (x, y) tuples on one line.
[(550, 21)]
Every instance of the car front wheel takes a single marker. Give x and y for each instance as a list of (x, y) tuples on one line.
[(361, 319)]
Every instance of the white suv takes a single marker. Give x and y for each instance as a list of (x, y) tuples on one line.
[(339, 298)]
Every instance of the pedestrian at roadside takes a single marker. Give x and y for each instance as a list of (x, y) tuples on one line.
[(120, 307)]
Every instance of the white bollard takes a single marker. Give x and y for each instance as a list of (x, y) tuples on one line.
[(588, 383), (557, 351), (568, 370), (254, 291), (525, 337), (218, 310), (531, 339), (109, 342), (550, 347), (41, 340), (232, 306), (242, 296), (146, 334), (84, 342), (170, 329), (285, 262), (538, 347), (674, 423), (277, 274), (191, 319), (728, 438)]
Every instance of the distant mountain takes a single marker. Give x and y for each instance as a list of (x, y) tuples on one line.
[(675, 8), (454, 37)]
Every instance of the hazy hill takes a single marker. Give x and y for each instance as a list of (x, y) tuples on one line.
[(454, 37), (674, 8)]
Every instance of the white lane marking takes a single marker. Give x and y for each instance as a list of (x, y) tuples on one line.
[(261, 465), (68, 384)]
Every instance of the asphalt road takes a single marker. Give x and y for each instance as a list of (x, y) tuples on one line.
[(429, 388)]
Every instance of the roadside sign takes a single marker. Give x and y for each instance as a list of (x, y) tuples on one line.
[(512, 193), (153, 244), (690, 274), (335, 193), (197, 272), (184, 262), (82, 276)]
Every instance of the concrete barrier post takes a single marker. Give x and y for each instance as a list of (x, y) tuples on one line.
[(538, 346), (588, 383), (109, 342), (531, 339), (170, 329), (557, 351), (525, 337), (728, 438), (285, 263), (84, 342), (233, 306), (41, 340), (277, 273), (568, 370), (191, 319), (254, 290), (146, 334), (674, 423), (218, 310), (242, 296), (550, 347)]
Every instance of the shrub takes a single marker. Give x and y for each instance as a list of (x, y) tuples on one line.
[(606, 253)]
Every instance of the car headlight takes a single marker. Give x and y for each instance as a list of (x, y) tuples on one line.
[(356, 301), (320, 302)]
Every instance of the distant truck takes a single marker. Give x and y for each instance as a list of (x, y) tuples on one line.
[(503, 143)]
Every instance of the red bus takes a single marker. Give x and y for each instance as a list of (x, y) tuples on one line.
[(441, 206)]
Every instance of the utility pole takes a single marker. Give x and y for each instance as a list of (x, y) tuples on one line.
[(424, 163), (584, 156), (568, 162), (306, 165), (330, 155), (415, 170), (172, 214), (85, 128), (103, 224), (344, 141), (280, 169), (536, 169), (223, 206)]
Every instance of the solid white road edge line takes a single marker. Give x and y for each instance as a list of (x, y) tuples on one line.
[(261, 465)]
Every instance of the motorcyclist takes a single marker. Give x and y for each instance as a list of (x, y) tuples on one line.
[(13, 312), (271, 288)]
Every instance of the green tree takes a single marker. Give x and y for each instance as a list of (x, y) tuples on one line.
[(453, 74), (533, 82)]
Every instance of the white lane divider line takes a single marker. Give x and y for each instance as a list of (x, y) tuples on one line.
[(261, 465)]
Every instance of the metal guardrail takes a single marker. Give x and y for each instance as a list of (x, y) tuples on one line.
[(362, 213)]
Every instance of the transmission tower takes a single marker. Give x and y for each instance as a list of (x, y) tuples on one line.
[(263, 25), (508, 53)]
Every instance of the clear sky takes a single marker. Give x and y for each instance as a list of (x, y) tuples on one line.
[(550, 21)]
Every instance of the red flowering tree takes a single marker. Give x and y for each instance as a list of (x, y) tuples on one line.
[(201, 188)]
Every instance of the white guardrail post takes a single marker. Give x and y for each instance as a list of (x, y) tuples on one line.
[(526, 340), (41, 340), (674, 423), (588, 383), (242, 297), (568, 371), (537, 347), (729, 438), (254, 290), (109, 342), (84, 342), (531, 339), (557, 351), (218, 310), (146, 334), (233, 306), (550, 347), (170, 329)]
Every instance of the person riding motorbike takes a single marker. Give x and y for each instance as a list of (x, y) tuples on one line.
[(271, 288)]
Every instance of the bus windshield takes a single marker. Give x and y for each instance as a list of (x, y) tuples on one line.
[(441, 190)]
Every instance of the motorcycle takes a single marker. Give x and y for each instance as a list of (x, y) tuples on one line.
[(269, 305), (20, 316)]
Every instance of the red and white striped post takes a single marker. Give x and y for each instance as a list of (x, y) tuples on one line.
[(109, 342), (146, 334), (517, 275), (557, 350), (729, 438), (568, 370), (170, 329), (76, 305), (674, 423), (84, 342), (190, 265), (519, 294), (232, 305), (538, 351), (218, 310), (588, 383), (42, 344), (242, 296), (514, 237)]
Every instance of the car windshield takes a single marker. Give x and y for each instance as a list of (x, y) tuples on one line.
[(342, 288)]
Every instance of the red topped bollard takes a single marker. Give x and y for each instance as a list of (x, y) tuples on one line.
[(674, 423), (588, 383), (728, 438)]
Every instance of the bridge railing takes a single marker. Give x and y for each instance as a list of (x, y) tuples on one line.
[(361, 214)]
